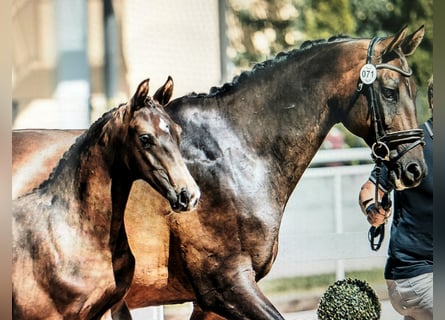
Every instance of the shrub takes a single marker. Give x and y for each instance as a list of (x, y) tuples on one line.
[(349, 299)]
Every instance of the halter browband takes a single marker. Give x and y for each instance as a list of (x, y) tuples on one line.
[(408, 73)]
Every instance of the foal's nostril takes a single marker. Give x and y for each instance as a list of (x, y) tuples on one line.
[(183, 199)]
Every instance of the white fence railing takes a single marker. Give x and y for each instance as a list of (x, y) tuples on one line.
[(323, 224), (322, 229)]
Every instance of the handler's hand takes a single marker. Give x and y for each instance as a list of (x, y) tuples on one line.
[(377, 216)]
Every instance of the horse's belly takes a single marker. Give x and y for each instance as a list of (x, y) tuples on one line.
[(149, 238), (159, 275)]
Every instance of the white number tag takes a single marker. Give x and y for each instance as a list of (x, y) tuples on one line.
[(368, 73)]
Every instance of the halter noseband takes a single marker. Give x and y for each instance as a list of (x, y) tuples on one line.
[(384, 142)]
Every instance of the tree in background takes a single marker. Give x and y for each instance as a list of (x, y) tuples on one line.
[(259, 29), (322, 19)]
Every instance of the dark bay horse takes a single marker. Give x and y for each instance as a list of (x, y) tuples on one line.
[(247, 145), (71, 257)]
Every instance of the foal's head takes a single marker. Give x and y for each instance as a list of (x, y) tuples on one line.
[(153, 141)]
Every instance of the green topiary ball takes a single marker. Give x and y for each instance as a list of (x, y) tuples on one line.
[(349, 299)]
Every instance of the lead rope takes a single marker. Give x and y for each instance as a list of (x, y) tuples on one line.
[(379, 231)]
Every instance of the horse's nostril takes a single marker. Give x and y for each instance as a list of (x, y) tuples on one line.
[(414, 170)]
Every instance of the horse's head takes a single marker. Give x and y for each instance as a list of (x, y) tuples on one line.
[(154, 141), (391, 121)]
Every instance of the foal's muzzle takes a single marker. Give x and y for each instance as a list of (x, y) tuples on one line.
[(184, 201)]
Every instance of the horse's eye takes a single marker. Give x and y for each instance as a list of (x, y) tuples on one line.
[(147, 141), (389, 94)]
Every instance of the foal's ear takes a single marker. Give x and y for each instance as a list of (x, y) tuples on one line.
[(411, 42), (164, 93), (141, 94)]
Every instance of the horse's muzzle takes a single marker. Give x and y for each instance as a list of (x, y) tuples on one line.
[(409, 176)]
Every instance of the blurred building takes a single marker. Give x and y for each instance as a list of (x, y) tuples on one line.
[(75, 59)]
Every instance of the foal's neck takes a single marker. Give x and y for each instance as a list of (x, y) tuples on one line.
[(85, 181)]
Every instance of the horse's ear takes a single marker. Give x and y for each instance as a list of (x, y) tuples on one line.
[(164, 93), (411, 42), (391, 43), (141, 93)]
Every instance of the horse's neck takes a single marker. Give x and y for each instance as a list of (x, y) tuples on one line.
[(282, 122), (279, 114)]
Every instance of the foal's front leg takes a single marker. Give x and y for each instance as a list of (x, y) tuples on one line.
[(120, 311), (199, 314)]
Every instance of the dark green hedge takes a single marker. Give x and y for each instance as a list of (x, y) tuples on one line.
[(349, 299)]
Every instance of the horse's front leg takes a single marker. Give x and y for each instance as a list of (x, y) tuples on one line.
[(233, 293)]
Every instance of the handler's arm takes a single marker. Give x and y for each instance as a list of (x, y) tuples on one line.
[(368, 206)]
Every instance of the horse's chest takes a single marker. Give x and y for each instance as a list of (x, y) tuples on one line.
[(69, 258), (78, 262)]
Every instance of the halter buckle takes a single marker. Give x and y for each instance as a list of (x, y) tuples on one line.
[(380, 151)]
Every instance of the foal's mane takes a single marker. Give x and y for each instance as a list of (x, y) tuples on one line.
[(83, 141), (281, 57)]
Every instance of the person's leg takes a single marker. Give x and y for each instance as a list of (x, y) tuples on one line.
[(423, 286), (413, 298)]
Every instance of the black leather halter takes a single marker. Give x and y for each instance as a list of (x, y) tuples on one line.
[(384, 148)]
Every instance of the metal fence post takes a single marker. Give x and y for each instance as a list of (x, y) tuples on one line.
[(72, 74), (340, 268)]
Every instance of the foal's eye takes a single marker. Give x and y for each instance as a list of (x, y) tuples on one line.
[(389, 94), (147, 141)]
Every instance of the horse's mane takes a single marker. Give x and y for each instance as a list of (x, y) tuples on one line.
[(81, 141), (279, 58)]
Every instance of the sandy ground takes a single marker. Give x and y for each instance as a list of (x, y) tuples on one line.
[(292, 308)]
